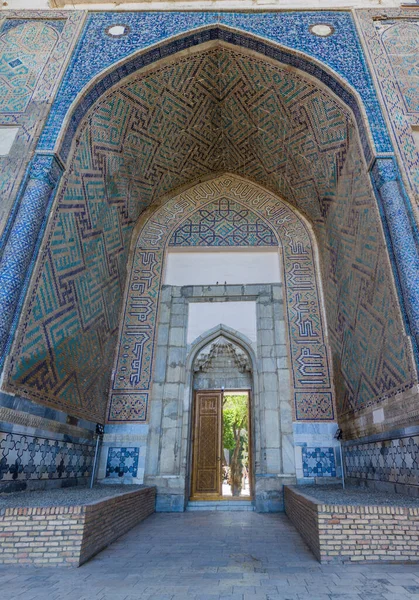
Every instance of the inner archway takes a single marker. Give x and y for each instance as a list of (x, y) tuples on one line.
[(222, 461), (187, 123)]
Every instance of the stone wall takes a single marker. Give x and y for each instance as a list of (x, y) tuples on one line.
[(167, 464), (69, 535), (354, 533)]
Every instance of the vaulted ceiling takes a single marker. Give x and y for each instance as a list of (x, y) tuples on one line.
[(216, 110), (220, 110)]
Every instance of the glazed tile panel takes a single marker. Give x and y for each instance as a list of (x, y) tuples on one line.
[(168, 125), (208, 209), (34, 48), (394, 461), (224, 223), (24, 49), (28, 457), (319, 462), (122, 462), (372, 359), (392, 45), (97, 50)]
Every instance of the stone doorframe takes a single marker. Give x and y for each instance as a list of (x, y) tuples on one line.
[(168, 463)]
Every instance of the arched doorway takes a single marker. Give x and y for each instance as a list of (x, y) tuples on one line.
[(222, 457), (150, 152)]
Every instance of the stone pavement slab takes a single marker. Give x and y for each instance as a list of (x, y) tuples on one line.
[(211, 556)]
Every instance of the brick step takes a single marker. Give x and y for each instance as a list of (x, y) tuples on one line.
[(226, 505)]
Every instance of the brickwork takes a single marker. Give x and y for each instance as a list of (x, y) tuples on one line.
[(342, 533), (69, 535)]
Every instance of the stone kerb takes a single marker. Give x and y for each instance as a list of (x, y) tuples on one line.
[(69, 535), (348, 533)]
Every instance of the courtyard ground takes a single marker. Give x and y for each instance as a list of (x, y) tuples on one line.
[(209, 556)]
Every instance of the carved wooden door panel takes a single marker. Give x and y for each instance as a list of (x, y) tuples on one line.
[(206, 458)]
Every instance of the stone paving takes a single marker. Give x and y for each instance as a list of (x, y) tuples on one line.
[(209, 556)]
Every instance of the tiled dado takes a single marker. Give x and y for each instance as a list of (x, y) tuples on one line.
[(389, 461), (29, 461), (41, 447)]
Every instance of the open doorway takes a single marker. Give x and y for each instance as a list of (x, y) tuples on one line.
[(221, 449), (236, 446)]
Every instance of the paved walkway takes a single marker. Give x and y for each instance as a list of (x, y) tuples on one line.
[(208, 556)]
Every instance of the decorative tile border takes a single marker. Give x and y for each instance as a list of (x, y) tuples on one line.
[(393, 461), (289, 29), (64, 28), (309, 355), (375, 26), (26, 458)]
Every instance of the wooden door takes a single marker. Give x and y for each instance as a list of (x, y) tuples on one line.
[(207, 442)]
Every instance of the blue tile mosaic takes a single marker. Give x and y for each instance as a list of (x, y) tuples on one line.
[(15, 63), (57, 24), (319, 462), (23, 242), (393, 461), (122, 461), (28, 457), (341, 51)]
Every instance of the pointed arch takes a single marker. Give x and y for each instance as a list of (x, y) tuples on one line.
[(236, 337), (309, 354), (195, 40)]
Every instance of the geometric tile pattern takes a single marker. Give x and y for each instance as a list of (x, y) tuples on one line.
[(22, 241), (24, 51), (392, 46), (401, 41), (401, 235), (154, 133), (57, 24), (42, 41), (395, 461), (26, 457), (224, 223), (122, 461), (318, 462), (372, 357), (341, 51), (198, 206)]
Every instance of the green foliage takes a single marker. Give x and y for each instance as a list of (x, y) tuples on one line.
[(234, 419), (228, 437)]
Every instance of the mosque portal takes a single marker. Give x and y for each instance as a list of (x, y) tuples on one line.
[(203, 258)]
